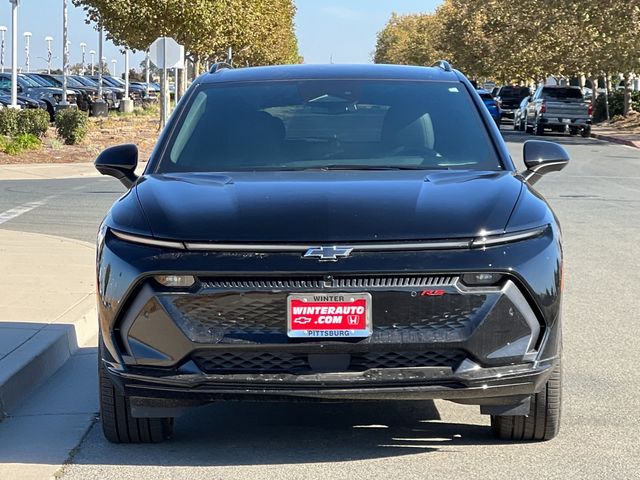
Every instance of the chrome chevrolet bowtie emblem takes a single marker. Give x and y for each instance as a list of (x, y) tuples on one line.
[(328, 254)]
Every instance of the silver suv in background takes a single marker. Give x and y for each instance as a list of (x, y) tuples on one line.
[(559, 109)]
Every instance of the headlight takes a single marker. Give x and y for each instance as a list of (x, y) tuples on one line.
[(177, 281), (481, 279)]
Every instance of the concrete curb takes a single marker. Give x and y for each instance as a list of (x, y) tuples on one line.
[(53, 171), (27, 367), (618, 140)]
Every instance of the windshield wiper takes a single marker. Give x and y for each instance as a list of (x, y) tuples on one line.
[(379, 167)]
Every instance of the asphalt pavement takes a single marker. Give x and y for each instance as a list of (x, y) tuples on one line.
[(597, 199)]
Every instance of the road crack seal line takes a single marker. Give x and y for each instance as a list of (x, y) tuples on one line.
[(24, 208)]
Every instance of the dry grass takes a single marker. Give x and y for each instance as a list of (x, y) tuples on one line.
[(628, 124)]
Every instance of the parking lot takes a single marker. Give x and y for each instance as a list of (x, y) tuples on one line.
[(597, 199)]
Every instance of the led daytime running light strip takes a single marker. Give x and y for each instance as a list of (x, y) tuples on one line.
[(478, 242)]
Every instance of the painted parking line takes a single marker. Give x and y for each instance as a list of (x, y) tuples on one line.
[(22, 209)]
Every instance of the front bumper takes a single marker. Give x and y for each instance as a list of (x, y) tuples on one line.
[(225, 337), (468, 384)]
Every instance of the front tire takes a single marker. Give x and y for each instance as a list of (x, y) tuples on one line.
[(118, 425), (586, 132), (543, 421)]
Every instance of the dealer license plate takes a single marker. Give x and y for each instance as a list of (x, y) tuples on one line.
[(329, 315)]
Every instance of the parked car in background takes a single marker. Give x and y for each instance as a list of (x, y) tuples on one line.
[(51, 96), (108, 93), (520, 115), (559, 108), (509, 98), (118, 92), (491, 104), (88, 94), (135, 92), (82, 97), (23, 102), (154, 89)]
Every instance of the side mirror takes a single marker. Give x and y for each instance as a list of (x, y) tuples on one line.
[(542, 157), (119, 162)]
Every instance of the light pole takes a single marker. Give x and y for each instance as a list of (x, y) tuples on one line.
[(83, 46), (3, 30), (27, 37), (126, 73), (146, 72), (49, 54), (65, 53), (14, 53), (93, 58), (113, 71)]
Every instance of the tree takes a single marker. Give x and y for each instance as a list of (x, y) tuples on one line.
[(509, 41), (260, 31), (408, 40)]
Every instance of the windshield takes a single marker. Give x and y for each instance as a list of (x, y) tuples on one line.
[(110, 82), (41, 81), (560, 93), (86, 81), (71, 82), (330, 124), (514, 92), (29, 82)]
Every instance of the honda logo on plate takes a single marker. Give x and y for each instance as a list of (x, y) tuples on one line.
[(328, 254)]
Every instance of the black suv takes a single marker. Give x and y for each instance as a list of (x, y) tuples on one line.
[(509, 99), (321, 232)]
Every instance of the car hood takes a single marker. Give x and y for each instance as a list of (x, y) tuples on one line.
[(46, 90), (335, 206)]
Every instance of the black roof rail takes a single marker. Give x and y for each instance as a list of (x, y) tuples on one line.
[(444, 65), (216, 67)]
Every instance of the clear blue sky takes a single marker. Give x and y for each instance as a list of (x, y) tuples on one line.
[(344, 30)]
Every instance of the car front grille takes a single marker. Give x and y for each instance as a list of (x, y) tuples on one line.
[(306, 283), (261, 316), (228, 362)]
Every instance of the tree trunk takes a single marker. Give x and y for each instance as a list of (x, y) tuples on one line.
[(607, 88), (196, 67), (627, 94), (594, 89)]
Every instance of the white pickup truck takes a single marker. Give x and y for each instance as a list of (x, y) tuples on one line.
[(559, 109)]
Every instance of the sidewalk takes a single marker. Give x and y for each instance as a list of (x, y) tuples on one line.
[(47, 309), (47, 171), (37, 171), (615, 135)]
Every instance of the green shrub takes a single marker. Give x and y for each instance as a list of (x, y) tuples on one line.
[(616, 105), (33, 121), (9, 121), (22, 142), (72, 125)]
